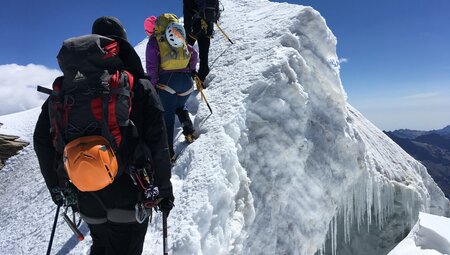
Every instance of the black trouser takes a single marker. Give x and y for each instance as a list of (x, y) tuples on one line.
[(203, 37), (203, 48), (123, 238), (110, 214)]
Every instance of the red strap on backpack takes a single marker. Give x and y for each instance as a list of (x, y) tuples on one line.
[(111, 49)]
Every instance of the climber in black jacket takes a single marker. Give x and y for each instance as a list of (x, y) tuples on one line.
[(110, 212), (198, 29)]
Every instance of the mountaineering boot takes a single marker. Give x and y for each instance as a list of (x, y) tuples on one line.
[(202, 73), (186, 124), (173, 159), (189, 138)]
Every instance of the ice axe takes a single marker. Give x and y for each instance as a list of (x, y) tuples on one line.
[(223, 32), (198, 82)]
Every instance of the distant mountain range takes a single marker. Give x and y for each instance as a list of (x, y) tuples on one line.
[(431, 148), (411, 134)]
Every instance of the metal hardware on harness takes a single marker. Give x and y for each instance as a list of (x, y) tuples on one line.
[(72, 225), (140, 212), (142, 179)]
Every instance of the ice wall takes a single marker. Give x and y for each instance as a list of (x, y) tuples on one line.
[(323, 178)]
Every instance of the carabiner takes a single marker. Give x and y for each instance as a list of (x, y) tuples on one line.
[(140, 212)]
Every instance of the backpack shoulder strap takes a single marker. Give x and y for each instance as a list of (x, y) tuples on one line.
[(55, 114)]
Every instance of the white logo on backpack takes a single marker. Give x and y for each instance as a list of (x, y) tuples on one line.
[(79, 77)]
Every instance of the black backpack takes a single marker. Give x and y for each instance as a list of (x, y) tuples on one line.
[(208, 10), (94, 95)]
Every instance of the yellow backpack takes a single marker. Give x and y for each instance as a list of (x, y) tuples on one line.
[(171, 58)]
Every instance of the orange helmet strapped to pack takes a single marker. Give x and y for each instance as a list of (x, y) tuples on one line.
[(90, 163)]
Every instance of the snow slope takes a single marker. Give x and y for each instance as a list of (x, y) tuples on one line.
[(430, 235), (283, 165)]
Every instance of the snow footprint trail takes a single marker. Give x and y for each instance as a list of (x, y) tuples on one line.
[(26, 211), (179, 142), (211, 188)]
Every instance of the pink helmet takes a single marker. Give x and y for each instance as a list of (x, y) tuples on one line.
[(149, 25)]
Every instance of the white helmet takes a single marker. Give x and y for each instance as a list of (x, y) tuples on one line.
[(175, 35)]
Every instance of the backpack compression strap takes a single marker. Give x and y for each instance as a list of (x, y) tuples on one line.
[(107, 91), (124, 79), (105, 112)]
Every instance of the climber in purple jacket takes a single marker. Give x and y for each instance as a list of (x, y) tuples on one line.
[(172, 76)]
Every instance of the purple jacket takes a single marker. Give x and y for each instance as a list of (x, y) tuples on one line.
[(152, 61)]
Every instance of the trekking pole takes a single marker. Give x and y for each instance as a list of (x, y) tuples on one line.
[(165, 233), (198, 82), (223, 32), (49, 249)]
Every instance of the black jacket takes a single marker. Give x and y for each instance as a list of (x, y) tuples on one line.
[(146, 114), (189, 10)]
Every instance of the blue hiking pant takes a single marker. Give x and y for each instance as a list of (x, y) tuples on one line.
[(175, 104)]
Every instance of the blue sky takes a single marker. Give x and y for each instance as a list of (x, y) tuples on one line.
[(397, 68), (35, 31)]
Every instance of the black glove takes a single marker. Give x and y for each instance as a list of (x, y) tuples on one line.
[(57, 196), (166, 204), (65, 196), (194, 74)]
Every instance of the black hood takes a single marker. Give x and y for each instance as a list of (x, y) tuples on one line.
[(110, 27)]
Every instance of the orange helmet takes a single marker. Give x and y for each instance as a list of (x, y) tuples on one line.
[(90, 163)]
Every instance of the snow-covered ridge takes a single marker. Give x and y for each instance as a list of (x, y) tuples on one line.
[(312, 160), (283, 166), (430, 235)]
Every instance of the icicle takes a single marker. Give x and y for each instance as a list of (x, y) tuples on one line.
[(334, 236), (345, 219), (369, 203)]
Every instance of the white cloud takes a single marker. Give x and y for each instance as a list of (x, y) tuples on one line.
[(18, 86), (343, 60)]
